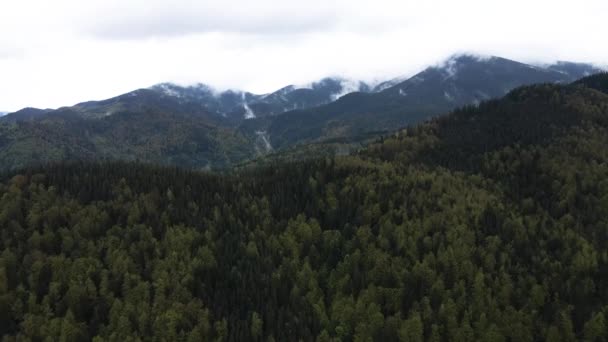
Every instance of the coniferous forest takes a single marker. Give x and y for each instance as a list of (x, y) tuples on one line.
[(487, 224)]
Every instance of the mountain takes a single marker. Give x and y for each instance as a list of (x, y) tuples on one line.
[(228, 104), (307, 96), (238, 104), (200, 128), (574, 70), (193, 126), (461, 80), (24, 114), (486, 224), (232, 105), (177, 137), (388, 84)]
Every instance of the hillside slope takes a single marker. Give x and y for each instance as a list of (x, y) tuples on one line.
[(488, 224), (460, 80), (196, 128), (154, 135), (232, 106)]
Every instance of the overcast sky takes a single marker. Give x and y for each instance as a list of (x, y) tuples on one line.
[(61, 52)]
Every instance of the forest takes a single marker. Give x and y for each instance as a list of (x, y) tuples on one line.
[(487, 224)]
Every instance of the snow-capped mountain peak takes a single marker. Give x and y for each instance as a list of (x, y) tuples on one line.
[(188, 92), (349, 86), (170, 89)]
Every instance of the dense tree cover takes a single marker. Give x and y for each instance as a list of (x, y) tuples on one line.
[(489, 224), (598, 81), (156, 134)]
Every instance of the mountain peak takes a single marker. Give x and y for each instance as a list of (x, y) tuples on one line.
[(574, 70), (175, 90), (468, 57)]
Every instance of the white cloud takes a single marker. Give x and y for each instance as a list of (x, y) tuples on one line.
[(60, 52), (144, 19)]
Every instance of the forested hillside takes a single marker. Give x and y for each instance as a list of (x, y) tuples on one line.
[(199, 128), (489, 224)]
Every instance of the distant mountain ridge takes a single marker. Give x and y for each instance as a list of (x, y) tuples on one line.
[(28, 113), (460, 80), (574, 70), (199, 127), (238, 104), (233, 105)]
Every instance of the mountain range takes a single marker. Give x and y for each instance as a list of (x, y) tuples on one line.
[(485, 224), (244, 105), (199, 127), (461, 80)]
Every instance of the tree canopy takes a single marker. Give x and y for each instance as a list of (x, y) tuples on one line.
[(489, 224)]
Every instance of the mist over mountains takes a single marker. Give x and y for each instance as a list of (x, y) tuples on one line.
[(199, 127)]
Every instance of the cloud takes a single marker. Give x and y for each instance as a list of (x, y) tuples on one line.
[(10, 53), (55, 53), (151, 19)]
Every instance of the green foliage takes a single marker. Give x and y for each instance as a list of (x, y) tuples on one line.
[(200, 130), (487, 225), (598, 82), (156, 135)]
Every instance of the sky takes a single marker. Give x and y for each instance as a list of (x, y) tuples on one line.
[(61, 52)]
